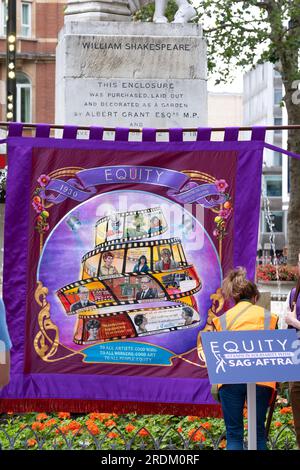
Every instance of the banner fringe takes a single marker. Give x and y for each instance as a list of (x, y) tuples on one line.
[(94, 406)]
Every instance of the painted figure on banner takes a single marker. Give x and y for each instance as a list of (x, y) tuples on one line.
[(108, 268), (141, 266), (83, 294), (141, 322), (147, 291), (166, 262), (92, 327)]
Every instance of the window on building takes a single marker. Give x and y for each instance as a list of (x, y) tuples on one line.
[(24, 98), (3, 15), (277, 159), (273, 185), (276, 220), (277, 95), (25, 20)]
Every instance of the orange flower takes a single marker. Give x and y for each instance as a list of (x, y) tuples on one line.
[(37, 426), (93, 429), (179, 429), (291, 421), (143, 432), (198, 437), (245, 413), (89, 422), (277, 424), (112, 435), (285, 410), (110, 423), (206, 425), (222, 444), (191, 432), (192, 418), (62, 430), (63, 415), (31, 442), (9, 412), (130, 428), (93, 416), (50, 422), (73, 426), (22, 426), (41, 416)]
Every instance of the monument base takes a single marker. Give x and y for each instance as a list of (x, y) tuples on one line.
[(131, 75)]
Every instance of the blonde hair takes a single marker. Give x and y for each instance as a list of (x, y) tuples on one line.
[(236, 286)]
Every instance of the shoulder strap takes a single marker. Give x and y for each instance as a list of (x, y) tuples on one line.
[(223, 318)]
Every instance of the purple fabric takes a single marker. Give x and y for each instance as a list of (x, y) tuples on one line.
[(203, 134), (176, 135), (237, 162), (70, 132), (149, 135), (258, 133), (15, 129), (121, 134), (291, 298), (278, 149), (231, 133), (42, 130), (96, 133)]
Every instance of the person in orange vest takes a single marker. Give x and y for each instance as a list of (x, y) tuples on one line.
[(245, 315)]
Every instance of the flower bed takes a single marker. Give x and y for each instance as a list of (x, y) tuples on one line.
[(267, 272), (34, 431)]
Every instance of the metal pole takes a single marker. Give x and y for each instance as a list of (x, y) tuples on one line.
[(11, 87), (251, 405)]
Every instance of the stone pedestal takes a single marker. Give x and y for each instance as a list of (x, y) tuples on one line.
[(131, 75)]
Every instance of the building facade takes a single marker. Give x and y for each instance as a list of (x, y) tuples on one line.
[(262, 105), (38, 24)]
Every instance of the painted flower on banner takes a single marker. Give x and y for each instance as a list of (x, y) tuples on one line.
[(225, 211), (41, 221)]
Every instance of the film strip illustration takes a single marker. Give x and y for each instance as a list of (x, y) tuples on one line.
[(133, 323), (124, 279), (133, 257), (126, 226)]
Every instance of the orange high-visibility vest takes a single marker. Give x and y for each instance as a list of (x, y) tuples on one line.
[(246, 316)]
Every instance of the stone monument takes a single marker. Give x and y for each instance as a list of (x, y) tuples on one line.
[(111, 71)]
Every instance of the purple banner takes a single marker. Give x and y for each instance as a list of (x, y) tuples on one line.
[(111, 272)]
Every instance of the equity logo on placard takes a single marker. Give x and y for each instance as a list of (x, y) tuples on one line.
[(255, 352)]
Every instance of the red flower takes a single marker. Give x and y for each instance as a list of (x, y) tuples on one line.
[(206, 425), (277, 424), (37, 426), (93, 429), (130, 428), (31, 442), (285, 410), (63, 415), (110, 423), (41, 416), (143, 432), (112, 435)]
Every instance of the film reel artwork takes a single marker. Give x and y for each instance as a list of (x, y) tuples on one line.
[(133, 283)]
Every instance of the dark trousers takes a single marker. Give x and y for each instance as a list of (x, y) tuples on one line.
[(294, 388), (233, 398)]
